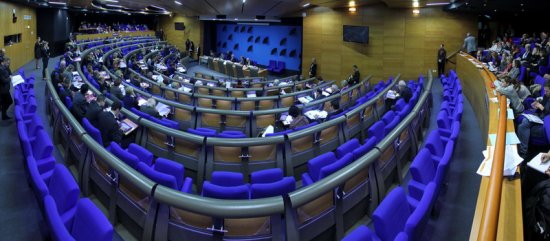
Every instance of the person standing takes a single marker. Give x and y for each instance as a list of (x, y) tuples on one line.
[(313, 68), (187, 44), (37, 51), (5, 85), (470, 44), (355, 76), (45, 59), (191, 49), (198, 52), (441, 60)]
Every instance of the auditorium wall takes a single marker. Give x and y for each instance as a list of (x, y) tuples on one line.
[(399, 41), (22, 52), (177, 38)]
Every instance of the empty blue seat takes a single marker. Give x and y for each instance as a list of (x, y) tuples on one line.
[(141, 153), (376, 131), (63, 189), (232, 134), (363, 149), (225, 192), (347, 147), (270, 182), (202, 132), (176, 170), (128, 158), (324, 165), (92, 131), (227, 179), (89, 222)]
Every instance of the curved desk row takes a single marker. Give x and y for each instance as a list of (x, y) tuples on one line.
[(115, 34), (476, 84)]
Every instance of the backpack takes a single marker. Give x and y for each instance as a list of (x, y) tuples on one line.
[(537, 212)]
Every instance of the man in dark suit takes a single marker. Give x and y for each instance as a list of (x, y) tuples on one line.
[(313, 68), (80, 105), (108, 125), (115, 89), (334, 108), (354, 78), (5, 85), (441, 59), (94, 109)]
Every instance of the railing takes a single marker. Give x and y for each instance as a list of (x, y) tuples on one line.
[(491, 210)]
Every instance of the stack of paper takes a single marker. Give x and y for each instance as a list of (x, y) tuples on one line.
[(511, 160), (511, 138), (316, 114), (305, 99), (288, 119)]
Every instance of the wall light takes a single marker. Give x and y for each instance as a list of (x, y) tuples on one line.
[(177, 2), (352, 9), (352, 3), (306, 5), (416, 11), (415, 5)]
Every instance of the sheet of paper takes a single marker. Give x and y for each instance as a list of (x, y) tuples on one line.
[(533, 118), (536, 163), (511, 161), (163, 109), (17, 79), (268, 130), (509, 114), (511, 138)]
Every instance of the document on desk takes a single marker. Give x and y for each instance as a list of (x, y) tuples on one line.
[(537, 164), (511, 138), (305, 99), (163, 109), (511, 161)]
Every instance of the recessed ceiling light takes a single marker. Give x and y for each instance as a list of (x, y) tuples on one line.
[(436, 4), (114, 6), (111, 1), (416, 11), (415, 4), (178, 2), (352, 9), (306, 5), (244, 1), (352, 3), (58, 3)]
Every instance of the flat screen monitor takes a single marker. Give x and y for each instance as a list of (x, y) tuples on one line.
[(356, 34), (179, 26)]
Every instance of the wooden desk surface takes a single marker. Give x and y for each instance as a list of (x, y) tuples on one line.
[(477, 88)]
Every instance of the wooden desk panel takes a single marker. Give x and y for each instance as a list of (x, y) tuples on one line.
[(120, 34), (476, 85)]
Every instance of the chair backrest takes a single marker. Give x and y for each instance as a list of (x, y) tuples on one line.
[(90, 224), (422, 167), (42, 146), (92, 131), (63, 189), (391, 215), (363, 149), (266, 176), (141, 153), (172, 168), (126, 157), (347, 147), (416, 222), (316, 164), (158, 177), (377, 130), (435, 144), (335, 166), (227, 179), (281, 187), (225, 192)]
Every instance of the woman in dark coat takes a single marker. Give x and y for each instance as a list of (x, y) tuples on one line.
[(37, 51)]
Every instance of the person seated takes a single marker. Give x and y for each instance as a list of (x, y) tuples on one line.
[(65, 89), (508, 89), (344, 84), (243, 60), (512, 72), (239, 84), (404, 91), (334, 109), (149, 108), (130, 100), (108, 125), (527, 129), (298, 119), (80, 105), (115, 89), (94, 109)]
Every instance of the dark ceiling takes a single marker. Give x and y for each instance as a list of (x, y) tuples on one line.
[(501, 7)]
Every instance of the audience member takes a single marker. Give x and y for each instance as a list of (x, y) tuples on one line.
[(527, 129), (334, 108), (507, 88), (80, 105), (94, 109), (115, 89), (130, 100), (404, 91), (149, 108), (108, 125), (5, 85), (298, 119)]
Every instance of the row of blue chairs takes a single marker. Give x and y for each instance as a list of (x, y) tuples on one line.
[(401, 216), (68, 216)]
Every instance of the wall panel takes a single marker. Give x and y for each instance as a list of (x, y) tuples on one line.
[(22, 52), (399, 41), (193, 30)]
